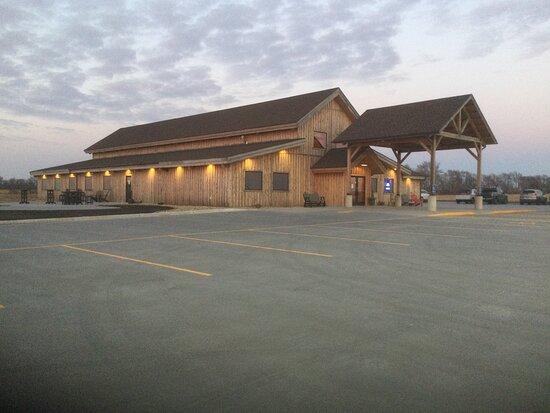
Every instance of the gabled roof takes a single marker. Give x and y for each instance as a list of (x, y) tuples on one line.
[(337, 159), (193, 157), (413, 120), (276, 114)]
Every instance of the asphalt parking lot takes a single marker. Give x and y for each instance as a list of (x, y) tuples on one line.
[(302, 309)]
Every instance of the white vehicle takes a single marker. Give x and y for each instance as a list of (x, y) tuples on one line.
[(532, 196), (466, 197), (424, 195)]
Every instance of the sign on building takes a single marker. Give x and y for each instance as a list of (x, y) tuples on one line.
[(388, 185)]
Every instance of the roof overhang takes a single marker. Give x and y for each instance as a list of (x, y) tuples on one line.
[(173, 164)]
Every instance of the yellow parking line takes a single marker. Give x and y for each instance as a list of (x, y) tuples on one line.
[(238, 244), (154, 264), (401, 232), (371, 241), (453, 214)]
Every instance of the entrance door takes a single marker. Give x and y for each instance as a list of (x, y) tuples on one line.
[(358, 190), (129, 189)]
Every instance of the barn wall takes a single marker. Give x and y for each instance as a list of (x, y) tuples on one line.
[(207, 143)]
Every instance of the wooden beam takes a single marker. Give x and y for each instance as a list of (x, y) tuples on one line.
[(356, 150), (433, 151), (358, 158), (399, 177), (459, 137), (406, 156), (425, 146), (471, 153), (348, 171), (479, 149), (464, 125), (375, 164)]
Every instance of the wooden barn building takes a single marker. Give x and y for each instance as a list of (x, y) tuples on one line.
[(264, 154)]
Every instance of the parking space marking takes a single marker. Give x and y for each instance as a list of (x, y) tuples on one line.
[(400, 232), (370, 241), (107, 241), (456, 227), (153, 264), (238, 244)]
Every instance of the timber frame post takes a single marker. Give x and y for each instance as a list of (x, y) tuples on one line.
[(399, 174), (431, 148), (477, 155)]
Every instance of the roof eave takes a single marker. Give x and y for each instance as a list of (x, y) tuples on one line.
[(168, 164)]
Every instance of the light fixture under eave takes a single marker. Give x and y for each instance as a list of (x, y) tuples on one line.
[(107, 173), (128, 172), (283, 152), (71, 175), (364, 165), (88, 174), (56, 176), (44, 177)]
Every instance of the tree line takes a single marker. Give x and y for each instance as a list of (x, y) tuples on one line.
[(455, 181), (14, 184)]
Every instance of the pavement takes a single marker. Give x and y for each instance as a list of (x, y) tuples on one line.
[(299, 309)]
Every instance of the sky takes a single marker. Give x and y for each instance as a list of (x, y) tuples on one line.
[(71, 72)]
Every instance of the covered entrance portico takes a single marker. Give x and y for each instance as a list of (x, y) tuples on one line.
[(440, 124)]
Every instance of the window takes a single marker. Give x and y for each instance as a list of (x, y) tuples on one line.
[(106, 182), (319, 140), (57, 184), (45, 184), (87, 183), (253, 180), (280, 181), (374, 185), (72, 183)]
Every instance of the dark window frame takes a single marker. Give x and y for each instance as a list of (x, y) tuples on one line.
[(88, 184), (287, 181), (374, 188), (246, 186), (71, 180), (109, 181)]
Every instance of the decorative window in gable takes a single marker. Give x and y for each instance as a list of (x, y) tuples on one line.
[(320, 140)]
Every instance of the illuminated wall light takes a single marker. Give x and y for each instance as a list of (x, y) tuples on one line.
[(179, 171), (210, 168), (56, 176), (107, 173), (128, 172), (71, 175), (282, 152), (88, 174), (44, 177), (248, 163)]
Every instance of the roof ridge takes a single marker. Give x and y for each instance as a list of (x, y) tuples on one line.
[(232, 107), (420, 101)]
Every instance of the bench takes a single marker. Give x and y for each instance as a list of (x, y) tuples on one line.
[(311, 200)]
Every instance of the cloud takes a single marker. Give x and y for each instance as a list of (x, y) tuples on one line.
[(86, 61), (490, 24)]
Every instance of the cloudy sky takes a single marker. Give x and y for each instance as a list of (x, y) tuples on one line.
[(71, 72)]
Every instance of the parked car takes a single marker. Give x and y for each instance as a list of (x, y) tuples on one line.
[(466, 197), (494, 195), (532, 196), (424, 195)]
